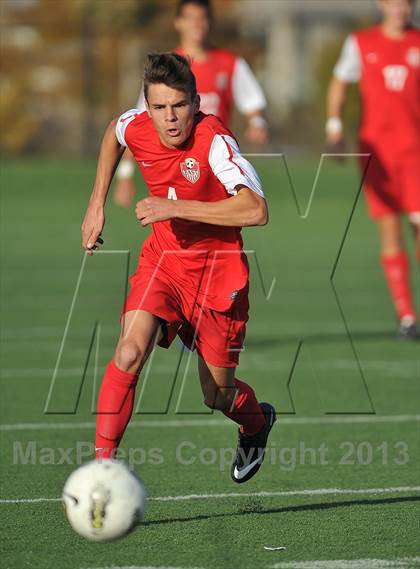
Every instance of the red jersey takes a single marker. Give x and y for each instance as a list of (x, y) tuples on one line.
[(201, 257), (389, 73)]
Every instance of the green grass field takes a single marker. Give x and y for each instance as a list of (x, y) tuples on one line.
[(341, 478)]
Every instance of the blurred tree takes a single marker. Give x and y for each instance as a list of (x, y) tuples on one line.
[(16, 128), (79, 41), (62, 63), (305, 125)]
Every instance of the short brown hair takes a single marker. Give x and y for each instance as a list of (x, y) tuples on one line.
[(170, 69), (206, 4)]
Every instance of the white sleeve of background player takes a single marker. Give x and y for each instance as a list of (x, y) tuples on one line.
[(122, 123), (247, 93), (230, 167), (349, 66), (141, 104)]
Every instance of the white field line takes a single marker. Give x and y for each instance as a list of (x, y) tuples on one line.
[(42, 373), (406, 562), (141, 567), (342, 364), (403, 562), (180, 423), (263, 494)]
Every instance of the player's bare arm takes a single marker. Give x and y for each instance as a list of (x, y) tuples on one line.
[(348, 69), (336, 100), (125, 188), (245, 209), (257, 128), (94, 220)]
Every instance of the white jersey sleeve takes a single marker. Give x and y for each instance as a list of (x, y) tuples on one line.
[(124, 120), (349, 66), (247, 93), (230, 167)]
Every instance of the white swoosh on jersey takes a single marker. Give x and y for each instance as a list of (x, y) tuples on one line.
[(239, 474), (146, 164)]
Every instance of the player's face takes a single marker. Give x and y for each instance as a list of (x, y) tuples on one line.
[(193, 24), (172, 113), (398, 12)]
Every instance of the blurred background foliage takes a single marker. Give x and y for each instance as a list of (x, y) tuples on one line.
[(69, 66)]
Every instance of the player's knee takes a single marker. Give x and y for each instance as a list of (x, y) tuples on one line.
[(128, 355)]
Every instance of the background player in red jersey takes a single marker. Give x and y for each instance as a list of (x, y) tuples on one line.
[(223, 79), (192, 276), (385, 60)]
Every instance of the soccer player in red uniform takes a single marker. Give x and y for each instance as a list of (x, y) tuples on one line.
[(385, 60), (192, 276), (223, 80)]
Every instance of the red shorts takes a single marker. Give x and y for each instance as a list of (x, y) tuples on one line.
[(217, 336), (391, 186)]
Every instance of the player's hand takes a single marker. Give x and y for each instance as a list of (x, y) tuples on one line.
[(336, 145), (154, 209), (257, 134), (92, 227), (124, 192)]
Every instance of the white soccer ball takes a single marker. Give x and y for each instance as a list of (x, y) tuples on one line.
[(103, 500)]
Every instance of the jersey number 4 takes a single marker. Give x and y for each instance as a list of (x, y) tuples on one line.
[(172, 194)]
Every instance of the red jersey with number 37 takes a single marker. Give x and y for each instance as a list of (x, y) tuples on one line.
[(389, 73), (197, 256)]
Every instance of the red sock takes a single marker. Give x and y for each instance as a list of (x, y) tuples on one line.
[(396, 269), (246, 410), (115, 406)]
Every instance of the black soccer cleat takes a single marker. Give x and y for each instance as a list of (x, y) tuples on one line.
[(409, 331), (251, 448)]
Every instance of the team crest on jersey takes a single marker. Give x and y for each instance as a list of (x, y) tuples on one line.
[(190, 169), (413, 57)]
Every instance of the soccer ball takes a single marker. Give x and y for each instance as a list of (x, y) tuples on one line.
[(190, 163), (103, 500)]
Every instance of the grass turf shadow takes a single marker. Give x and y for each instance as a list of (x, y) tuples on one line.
[(256, 509)]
